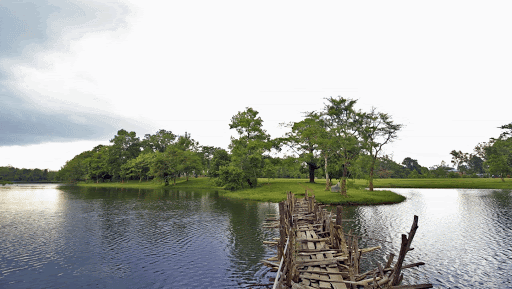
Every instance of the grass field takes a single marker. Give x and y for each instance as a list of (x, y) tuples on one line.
[(458, 183)]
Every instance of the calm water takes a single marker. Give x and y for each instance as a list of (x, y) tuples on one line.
[(464, 236), (70, 237)]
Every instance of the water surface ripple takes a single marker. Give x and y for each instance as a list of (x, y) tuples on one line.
[(464, 236), (71, 237)]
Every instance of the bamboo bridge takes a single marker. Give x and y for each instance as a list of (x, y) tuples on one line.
[(314, 252)]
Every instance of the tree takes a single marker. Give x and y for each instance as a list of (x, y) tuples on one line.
[(140, 166), (344, 125), (125, 146), (411, 164), (159, 141), (304, 140), (499, 157), (220, 159), (189, 163), (378, 130), (162, 167), (247, 150), (98, 169), (206, 153), (460, 160)]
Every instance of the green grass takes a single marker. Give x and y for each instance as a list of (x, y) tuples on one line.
[(3, 183), (457, 183), (273, 190), (181, 183)]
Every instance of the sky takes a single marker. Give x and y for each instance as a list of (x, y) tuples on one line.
[(73, 73)]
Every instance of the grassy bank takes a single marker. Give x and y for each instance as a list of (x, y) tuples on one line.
[(458, 183), (274, 190)]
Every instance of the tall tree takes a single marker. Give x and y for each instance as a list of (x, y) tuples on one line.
[(304, 140), (378, 129), (499, 157), (125, 146), (498, 153), (252, 142), (344, 124), (411, 164), (159, 141)]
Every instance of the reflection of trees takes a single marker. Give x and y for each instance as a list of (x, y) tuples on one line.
[(178, 228)]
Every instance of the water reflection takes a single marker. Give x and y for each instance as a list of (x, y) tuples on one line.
[(73, 237), (115, 238)]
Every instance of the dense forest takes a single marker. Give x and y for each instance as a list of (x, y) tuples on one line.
[(338, 142), (12, 174)]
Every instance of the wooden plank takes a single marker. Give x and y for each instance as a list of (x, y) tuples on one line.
[(318, 263), (311, 245), (336, 277)]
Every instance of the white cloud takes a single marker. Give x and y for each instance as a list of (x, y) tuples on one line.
[(442, 69)]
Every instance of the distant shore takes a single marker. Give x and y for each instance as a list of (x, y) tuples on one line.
[(448, 183)]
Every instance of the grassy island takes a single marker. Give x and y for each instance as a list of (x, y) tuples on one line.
[(274, 190)]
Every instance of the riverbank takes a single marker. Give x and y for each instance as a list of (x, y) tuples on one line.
[(274, 190), (456, 183)]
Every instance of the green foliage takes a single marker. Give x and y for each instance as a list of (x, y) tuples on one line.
[(231, 178), (246, 163), (158, 142), (499, 157), (411, 164), (306, 139), (414, 174), (221, 158), (344, 124), (140, 166), (378, 129), (9, 174)]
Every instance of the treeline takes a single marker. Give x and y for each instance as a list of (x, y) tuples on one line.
[(13, 174), (493, 157), (337, 142)]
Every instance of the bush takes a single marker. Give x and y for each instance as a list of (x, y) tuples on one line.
[(230, 177), (453, 175)]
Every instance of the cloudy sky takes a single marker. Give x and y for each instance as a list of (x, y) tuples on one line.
[(72, 73)]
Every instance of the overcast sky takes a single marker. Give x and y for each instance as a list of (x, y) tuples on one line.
[(72, 73)]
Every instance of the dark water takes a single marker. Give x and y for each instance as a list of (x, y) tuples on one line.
[(72, 237), (464, 236)]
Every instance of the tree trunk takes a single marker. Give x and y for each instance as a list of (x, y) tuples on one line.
[(371, 175), (311, 173), (327, 180), (344, 181)]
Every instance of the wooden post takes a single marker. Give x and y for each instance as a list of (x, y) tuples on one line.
[(282, 230), (339, 210), (406, 245)]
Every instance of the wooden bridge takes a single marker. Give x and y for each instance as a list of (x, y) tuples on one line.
[(314, 252)]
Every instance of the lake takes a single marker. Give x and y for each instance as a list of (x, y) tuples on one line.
[(74, 237)]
